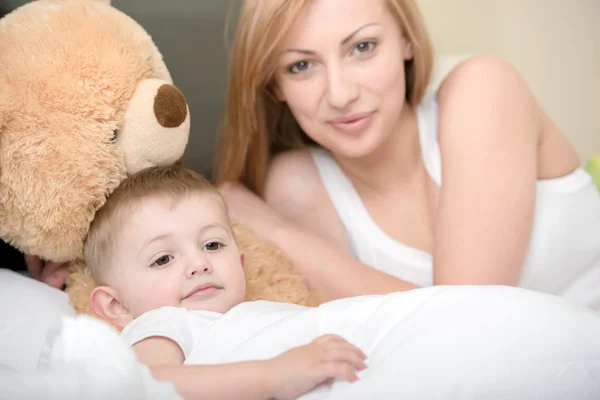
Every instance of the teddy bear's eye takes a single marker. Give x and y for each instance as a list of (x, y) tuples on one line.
[(113, 138)]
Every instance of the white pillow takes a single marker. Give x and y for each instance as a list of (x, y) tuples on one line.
[(28, 311)]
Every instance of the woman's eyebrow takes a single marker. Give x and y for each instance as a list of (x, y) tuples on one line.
[(343, 42), (349, 37)]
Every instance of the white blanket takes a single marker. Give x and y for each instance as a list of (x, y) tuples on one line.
[(433, 343)]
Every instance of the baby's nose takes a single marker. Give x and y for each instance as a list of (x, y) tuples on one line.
[(200, 270), (170, 107)]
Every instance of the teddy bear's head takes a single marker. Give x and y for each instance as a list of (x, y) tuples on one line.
[(85, 99)]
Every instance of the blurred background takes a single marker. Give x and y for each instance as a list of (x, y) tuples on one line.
[(555, 44)]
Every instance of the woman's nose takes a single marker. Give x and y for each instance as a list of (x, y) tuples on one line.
[(341, 89)]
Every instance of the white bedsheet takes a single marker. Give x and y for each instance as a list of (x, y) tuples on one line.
[(433, 343)]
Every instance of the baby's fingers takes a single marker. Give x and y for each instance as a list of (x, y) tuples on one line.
[(345, 346), (348, 355), (335, 369), (357, 351)]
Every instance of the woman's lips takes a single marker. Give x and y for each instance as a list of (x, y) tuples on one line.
[(352, 123)]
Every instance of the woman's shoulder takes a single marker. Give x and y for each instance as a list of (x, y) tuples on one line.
[(478, 74), (294, 188), (293, 180), (486, 95), (489, 95), (296, 160), (293, 175)]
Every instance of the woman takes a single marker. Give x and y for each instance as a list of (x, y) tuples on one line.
[(333, 148)]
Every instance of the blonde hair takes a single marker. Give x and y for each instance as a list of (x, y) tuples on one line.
[(171, 182), (255, 124)]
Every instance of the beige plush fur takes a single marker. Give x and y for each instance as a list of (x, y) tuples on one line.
[(85, 99)]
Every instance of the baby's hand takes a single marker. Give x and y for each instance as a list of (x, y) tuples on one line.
[(302, 368)]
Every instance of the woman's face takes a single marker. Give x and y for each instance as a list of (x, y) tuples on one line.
[(341, 72)]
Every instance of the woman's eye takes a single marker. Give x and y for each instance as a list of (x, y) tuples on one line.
[(299, 67), (162, 260), (364, 47), (212, 246)]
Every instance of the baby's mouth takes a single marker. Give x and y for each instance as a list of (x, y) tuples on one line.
[(203, 291)]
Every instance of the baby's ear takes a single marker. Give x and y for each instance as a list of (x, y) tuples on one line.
[(107, 305)]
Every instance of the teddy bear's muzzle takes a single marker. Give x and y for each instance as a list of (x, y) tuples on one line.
[(156, 126)]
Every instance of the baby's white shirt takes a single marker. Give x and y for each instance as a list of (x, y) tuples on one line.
[(184, 327)]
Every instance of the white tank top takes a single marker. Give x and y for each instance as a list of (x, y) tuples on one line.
[(564, 250)]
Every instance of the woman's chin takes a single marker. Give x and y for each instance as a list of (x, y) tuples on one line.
[(357, 149)]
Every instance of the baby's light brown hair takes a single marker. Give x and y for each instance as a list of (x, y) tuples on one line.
[(172, 182)]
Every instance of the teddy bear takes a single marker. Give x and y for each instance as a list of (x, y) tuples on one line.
[(85, 100)]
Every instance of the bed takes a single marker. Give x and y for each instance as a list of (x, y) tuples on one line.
[(438, 342)]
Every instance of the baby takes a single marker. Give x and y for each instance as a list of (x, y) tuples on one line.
[(166, 260)]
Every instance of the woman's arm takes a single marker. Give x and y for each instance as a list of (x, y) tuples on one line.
[(301, 221), (489, 131), (330, 270)]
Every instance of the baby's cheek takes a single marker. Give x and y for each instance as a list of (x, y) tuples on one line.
[(153, 297), (241, 289)]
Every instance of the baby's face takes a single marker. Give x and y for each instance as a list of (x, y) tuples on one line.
[(178, 253)]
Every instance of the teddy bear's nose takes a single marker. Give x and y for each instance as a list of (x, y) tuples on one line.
[(170, 107)]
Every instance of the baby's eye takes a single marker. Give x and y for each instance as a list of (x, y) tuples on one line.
[(364, 47), (299, 67), (162, 260), (212, 246)]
